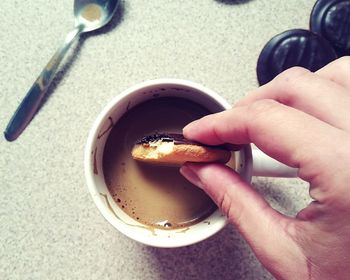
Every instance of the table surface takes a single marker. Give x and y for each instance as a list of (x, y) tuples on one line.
[(50, 227)]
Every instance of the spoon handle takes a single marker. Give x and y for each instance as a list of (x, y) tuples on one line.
[(33, 99)]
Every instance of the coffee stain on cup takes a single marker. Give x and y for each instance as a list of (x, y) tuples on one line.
[(95, 162), (151, 229), (128, 106), (110, 126), (184, 230)]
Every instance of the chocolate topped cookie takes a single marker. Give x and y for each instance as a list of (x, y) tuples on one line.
[(174, 149), (296, 47), (331, 20)]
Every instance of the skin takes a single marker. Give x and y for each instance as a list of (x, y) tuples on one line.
[(303, 120)]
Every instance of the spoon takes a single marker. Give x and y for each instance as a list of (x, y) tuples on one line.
[(89, 15)]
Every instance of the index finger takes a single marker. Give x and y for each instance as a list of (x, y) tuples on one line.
[(284, 133), (308, 92)]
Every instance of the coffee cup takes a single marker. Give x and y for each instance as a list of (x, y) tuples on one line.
[(248, 162)]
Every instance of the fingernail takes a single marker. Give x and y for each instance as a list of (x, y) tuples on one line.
[(191, 176), (186, 130)]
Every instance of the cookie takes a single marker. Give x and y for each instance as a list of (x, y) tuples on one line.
[(331, 20), (174, 149)]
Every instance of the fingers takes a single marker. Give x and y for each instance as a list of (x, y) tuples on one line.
[(282, 132), (262, 226), (227, 189), (314, 94), (337, 71)]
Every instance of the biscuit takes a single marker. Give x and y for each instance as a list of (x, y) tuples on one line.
[(174, 149)]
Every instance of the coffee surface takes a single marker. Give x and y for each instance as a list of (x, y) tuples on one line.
[(156, 196)]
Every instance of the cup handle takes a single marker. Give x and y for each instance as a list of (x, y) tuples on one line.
[(265, 166)]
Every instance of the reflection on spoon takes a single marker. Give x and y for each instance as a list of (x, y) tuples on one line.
[(92, 12)]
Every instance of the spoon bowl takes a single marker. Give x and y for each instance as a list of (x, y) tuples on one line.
[(93, 15), (89, 15)]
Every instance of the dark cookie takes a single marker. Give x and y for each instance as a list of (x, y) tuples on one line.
[(331, 20), (296, 47)]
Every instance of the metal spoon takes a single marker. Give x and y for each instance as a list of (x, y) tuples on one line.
[(89, 15)]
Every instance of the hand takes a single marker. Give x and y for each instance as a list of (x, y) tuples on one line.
[(303, 120)]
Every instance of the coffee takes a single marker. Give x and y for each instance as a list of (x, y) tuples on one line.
[(156, 196)]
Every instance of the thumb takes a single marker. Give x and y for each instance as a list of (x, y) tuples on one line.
[(243, 206), (265, 229)]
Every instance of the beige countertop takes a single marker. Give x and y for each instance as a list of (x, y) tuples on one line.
[(50, 227)]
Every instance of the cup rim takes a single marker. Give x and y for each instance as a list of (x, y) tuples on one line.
[(89, 176)]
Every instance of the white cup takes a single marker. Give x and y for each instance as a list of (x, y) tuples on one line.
[(248, 163)]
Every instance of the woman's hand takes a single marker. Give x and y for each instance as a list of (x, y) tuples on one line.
[(303, 120)]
